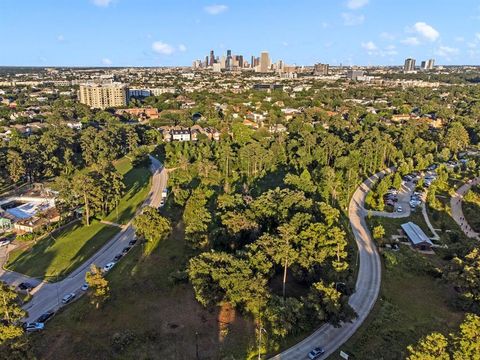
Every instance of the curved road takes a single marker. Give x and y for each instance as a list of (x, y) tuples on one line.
[(456, 206), (367, 286), (47, 296)]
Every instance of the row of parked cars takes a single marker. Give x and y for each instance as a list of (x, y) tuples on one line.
[(39, 324)]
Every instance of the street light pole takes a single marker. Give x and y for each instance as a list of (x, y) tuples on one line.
[(196, 344), (260, 341)]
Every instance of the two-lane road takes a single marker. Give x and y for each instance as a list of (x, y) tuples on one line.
[(47, 296), (366, 289)]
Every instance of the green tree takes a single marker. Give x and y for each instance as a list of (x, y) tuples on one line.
[(153, 227), (15, 166), (432, 347), (99, 289), (378, 232), (11, 314), (457, 138)]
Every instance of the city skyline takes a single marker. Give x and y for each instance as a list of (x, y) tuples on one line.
[(351, 32)]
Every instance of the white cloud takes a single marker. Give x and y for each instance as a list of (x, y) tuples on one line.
[(459, 39), (477, 36), (413, 41), (215, 9), (163, 48), (324, 25), (446, 51), (356, 4), (370, 46), (387, 36), (60, 38), (426, 31), (106, 61), (102, 3), (284, 43), (350, 19), (182, 48), (373, 50)]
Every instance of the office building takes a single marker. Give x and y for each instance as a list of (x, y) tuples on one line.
[(264, 62), (212, 58), (320, 69), (409, 65), (239, 61), (103, 95), (229, 60)]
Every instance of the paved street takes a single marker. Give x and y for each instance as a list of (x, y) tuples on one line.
[(457, 212), (366, 288), (47, 296)]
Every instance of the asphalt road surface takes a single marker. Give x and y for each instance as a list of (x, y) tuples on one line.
[(366, 288), (48, 296)]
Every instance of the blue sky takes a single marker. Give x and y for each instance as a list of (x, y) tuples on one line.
[(175, 32)]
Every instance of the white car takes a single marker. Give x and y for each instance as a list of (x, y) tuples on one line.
[(399, 209), (34, 326), (108, 267), (84, 287), (4, 242), (316, 353), (67, 298)]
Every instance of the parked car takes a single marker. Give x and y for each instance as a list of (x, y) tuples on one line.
[(34, 326), (25, 286), (108, 267), (45, 317), (4, 242), (67, 298), (399, 209), (117, 257), (126, 249), (316, 353), (84, 287), (132, 242)]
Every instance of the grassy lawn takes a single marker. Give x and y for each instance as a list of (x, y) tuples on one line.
[(412, 304), (392, 225), (148, 316), (61, 252), (137, 184)]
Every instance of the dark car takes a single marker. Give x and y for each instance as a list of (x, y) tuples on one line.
[(132, 242), (45, 317), (117, 257), (25, 286), (126, 249)]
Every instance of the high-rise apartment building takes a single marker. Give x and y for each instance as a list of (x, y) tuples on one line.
[(320, 69), (264, 62), (103, 95), (409, 65), (429, 64)]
